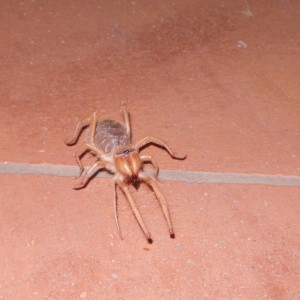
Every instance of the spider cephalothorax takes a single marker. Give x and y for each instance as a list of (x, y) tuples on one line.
[(110, 142)]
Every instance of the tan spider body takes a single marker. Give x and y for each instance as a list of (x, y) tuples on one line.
[(110, 142)]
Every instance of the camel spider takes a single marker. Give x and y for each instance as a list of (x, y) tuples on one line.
[(110, 142)]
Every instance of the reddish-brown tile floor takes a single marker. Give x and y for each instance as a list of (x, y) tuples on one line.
[(232, 242), (217, 80)]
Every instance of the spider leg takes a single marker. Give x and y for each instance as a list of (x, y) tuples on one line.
[(93, 128), (78, 156), (126, 118), (92, 146), (163, 203), (152, 140), (94, 149), (79, 127), (92, 122), (91, 171), (145, 158), (134, 208), (116, 210)]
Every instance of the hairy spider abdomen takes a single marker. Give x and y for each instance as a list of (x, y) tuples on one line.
[(110, 134)]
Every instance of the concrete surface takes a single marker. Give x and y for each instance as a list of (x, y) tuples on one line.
[(218, 80)]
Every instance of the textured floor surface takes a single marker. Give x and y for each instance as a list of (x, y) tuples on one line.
[(219, 81)]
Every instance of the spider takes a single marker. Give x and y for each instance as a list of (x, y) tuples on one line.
[(110, 142)]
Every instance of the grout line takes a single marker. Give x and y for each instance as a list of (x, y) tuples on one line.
[(178, 175)]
